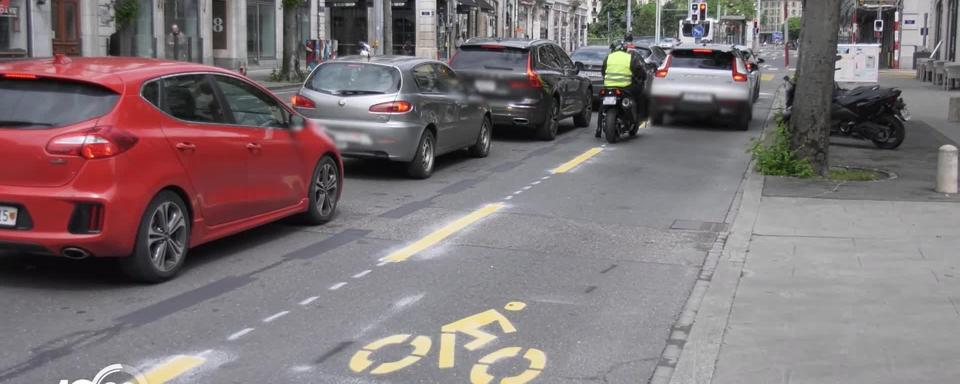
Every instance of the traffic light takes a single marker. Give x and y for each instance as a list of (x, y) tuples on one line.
[(703, 11), (694, 12)]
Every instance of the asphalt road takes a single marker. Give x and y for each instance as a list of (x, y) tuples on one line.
[(585, 271)]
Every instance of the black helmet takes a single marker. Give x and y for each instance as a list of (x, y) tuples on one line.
[(628, 38)]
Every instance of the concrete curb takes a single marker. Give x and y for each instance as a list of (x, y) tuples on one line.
[(694, 345)]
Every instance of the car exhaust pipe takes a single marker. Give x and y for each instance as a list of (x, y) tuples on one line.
[(520, 121), (75, 253)]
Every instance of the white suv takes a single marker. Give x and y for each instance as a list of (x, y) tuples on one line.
[(703, 80)]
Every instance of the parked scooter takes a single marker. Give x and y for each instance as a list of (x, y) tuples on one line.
[(872, 113), (617, 115)]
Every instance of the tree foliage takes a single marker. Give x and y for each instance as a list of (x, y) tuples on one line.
[(793, 27), (645, 16)]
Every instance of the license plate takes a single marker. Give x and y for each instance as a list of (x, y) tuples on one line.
[(486, 86), (697, 97), (905, 114), (609, 101), (8, 216)]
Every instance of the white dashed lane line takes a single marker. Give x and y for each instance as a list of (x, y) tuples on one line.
[(337, 286), (239, 334), (309, 300), (361, 274), (275, 316)]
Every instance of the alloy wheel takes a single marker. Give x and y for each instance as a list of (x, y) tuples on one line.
[(326, 189), (167, 236)]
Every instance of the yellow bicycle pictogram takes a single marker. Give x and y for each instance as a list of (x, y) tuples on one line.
[(471, 326)]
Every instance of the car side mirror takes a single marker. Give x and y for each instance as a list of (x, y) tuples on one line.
[(578, 65), (761, 61), (297, 123)]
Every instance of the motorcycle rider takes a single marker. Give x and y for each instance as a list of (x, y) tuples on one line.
[(624, 69)]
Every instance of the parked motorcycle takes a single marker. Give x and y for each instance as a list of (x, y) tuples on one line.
[(872, 113), (617, 115)]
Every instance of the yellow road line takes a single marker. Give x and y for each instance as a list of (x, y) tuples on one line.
[(566, 167), (766, 77), (172, 369), (440, 234)]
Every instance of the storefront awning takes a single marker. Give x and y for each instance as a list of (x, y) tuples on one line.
[(485, 6)]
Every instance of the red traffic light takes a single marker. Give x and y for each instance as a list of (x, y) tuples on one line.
[(703, 6)]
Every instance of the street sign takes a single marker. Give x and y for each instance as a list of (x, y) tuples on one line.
[(697, 31), (777, 36), (878, 25)]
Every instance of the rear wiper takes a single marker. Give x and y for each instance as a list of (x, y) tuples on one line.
[(358, 92), (21, 123), (499, 68)]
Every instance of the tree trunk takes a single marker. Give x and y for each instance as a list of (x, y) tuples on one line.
[(289, 41), (810, 122), (387, 27)]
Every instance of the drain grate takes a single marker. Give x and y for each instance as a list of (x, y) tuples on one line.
[(693, 225)]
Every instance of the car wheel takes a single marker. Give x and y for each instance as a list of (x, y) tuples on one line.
[(548, 130), (583, 119), (422, 165), (325, 188), (482, 147), (162, 242), (743, 123), (656, 118)]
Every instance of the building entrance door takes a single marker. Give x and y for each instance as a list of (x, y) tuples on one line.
[(66, 27), (349, 25)]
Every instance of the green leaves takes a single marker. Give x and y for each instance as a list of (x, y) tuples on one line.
[(125, 12), (776, 158)]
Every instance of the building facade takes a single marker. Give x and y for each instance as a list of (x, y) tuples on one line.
[(771, 15), (249, 33)]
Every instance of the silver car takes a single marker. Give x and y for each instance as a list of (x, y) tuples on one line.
[(703, 80), (399, 108)]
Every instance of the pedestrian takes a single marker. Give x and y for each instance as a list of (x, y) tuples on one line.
[(407, 48), (177, 44), (459, 41)]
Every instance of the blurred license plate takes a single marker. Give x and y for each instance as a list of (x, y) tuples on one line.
[(486, 85), (697, 97), (609, 101), (345, 139), (8, 216)]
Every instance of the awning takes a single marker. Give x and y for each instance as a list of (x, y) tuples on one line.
[(485, 6)]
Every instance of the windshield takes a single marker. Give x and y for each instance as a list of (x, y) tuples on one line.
[(354, 79), (46, 103), (702, 59), (590, 55), (490, 58)]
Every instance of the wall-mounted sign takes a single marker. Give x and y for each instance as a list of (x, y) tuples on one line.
[(426, 13), (219, 22), (7, 11)]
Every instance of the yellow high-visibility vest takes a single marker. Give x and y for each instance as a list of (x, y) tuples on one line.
[(618, 72)]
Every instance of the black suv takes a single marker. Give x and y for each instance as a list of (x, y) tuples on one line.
[(526, 82)]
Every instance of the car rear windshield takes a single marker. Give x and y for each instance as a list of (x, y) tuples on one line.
[(349, 79), (701, 59), (48, 103), (590, 55), (497, 58)]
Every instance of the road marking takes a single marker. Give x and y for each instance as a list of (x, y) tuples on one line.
[(439, 235), (508, 198), (566, 167), (361, 274), (276, 316), (239, 334), (518, 192), (337, 286), (536, 182), (773, 68), (309, 300), (527, 188), (766, 77), (173, 368)]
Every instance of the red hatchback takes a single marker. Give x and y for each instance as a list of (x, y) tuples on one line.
[(144, 159)]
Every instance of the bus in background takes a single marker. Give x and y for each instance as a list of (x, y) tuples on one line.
[(687, 31)]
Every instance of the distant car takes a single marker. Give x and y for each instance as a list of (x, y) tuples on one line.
[(753, 67), (704, 80), (590, 59), (144, 159), (399, 108), (669, 43), (652, 54), (528, 83)]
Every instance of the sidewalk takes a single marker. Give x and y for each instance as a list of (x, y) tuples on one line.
[(860, 284)]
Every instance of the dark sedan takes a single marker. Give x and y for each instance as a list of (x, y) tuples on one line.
[(590, 59)]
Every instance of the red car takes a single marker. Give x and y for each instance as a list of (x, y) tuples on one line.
[(144, 159)]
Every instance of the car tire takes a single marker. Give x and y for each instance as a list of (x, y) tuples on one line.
[(656, 118), (482, 147), (421, 167), (324, 192), (743, 123), (548, 129), (583, 119), (162, 242)]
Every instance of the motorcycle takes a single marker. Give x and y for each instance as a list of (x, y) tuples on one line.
[(867, 113), (617, 115)]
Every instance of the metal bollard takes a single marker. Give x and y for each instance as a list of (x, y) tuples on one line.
[(947, 169)]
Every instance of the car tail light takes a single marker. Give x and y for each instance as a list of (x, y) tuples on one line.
[(662, 71), (737, 76), (301, 101), (533, 80), (20, 76), (603, 91), (96, 143), (392, 107)]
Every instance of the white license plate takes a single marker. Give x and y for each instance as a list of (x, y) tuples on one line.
[(609, 101), (486, 85), (8, 216), (697, 97)]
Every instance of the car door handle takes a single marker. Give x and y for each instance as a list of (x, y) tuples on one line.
[(186, 146), (253, 146)]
